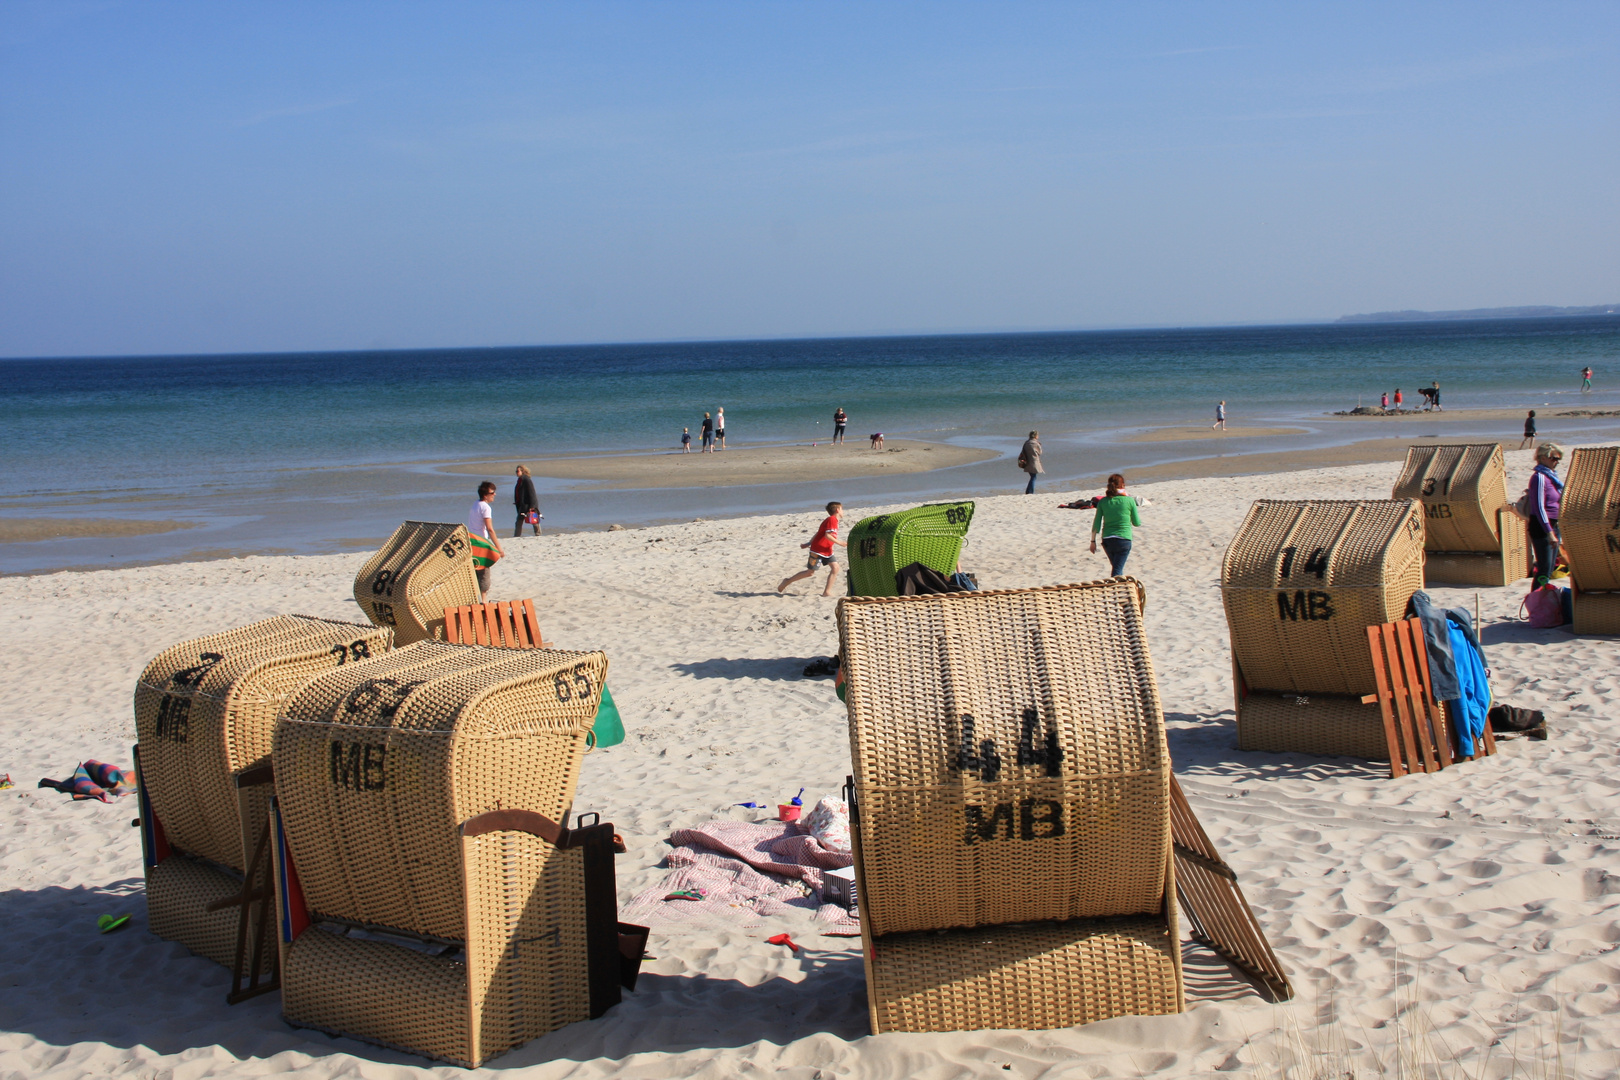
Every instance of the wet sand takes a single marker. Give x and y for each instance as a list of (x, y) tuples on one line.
[(31, 529)]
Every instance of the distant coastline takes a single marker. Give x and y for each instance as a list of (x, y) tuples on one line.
[(1480, 313)]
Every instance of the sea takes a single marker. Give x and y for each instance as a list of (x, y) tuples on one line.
[(317, 452)]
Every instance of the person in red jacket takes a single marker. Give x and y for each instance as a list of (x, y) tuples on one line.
[(821, 550)]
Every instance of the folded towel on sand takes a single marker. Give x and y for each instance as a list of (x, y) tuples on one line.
[(746, 871)]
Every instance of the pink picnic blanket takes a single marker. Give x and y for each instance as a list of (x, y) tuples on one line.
[(747, 871)]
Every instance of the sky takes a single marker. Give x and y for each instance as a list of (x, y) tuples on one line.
[(251, 177)]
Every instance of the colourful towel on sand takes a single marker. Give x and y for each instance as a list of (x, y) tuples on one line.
[(483, 552), (94, 780), (746, 871)]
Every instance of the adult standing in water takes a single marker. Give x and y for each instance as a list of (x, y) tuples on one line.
[(708, 433), (840, 418), (720, 428), (1029, 459), (1116, 516), (526, 501)]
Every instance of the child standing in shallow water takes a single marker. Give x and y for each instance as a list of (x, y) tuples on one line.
[(821, 550)]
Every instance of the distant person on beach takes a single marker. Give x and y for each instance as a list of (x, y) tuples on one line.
[(1383, 402), (720, 428), (1586, 379), (686, 440), (877, 440), (1397, 397), (1116, 516), (1434, 396), (840, 418), (1029, 459), (821, 550), (708, 433), (1546, 493), (1220, 417), (481, 526), (1529, 429), (526, 501)]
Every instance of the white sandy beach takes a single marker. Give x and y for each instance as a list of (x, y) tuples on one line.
[(1483, 901)]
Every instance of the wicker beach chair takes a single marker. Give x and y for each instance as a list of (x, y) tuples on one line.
[(423, 569), (1590, 521), (1011, 809), (205, 711), (507, 624), (1300, 583), (1471, 535), (880, 547), (433, 898)]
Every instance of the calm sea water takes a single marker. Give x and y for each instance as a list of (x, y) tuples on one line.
[(301, 452)]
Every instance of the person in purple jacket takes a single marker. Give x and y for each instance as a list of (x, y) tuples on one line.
[(1546, 492)]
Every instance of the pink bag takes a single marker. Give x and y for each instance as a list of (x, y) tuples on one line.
[(1544, 607)]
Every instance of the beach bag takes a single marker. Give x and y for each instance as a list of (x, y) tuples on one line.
[(608, 727), (533, 517), (1523, 507), (1544, 607), (484, 553), (1513, 718)]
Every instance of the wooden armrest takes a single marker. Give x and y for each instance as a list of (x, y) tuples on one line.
[(527, 821)]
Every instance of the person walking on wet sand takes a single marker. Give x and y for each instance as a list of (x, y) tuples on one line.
[(1529, 430), (1220, 417), (526, 501), (720, 428), (1115, 517), (1586, 379), (1029, 459), (840, 418), (821, 550)]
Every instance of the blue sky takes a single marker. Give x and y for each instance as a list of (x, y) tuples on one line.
[(248, 177)]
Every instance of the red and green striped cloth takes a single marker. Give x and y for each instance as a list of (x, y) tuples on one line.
[(483, 552)]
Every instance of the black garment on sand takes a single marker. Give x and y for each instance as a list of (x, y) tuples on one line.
[(920, 580)]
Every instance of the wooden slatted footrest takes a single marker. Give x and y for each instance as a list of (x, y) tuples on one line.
[(509, 624), (1420, 735)]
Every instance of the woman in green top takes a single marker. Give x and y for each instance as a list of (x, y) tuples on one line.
[(1115, 515)]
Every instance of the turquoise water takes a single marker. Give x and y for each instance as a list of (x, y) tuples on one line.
[(303, 452)]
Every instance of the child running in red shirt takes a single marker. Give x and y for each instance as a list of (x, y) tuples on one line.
[(821, 550)]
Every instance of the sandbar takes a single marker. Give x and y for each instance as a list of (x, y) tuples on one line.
[(1185, 434), (777, 464)]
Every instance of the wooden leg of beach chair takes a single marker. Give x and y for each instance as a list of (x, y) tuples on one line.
[(1214, 904), (516, 632), (533, 625), (1413, 699), (1386, 699), (1401, 694), (1436, 728)]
